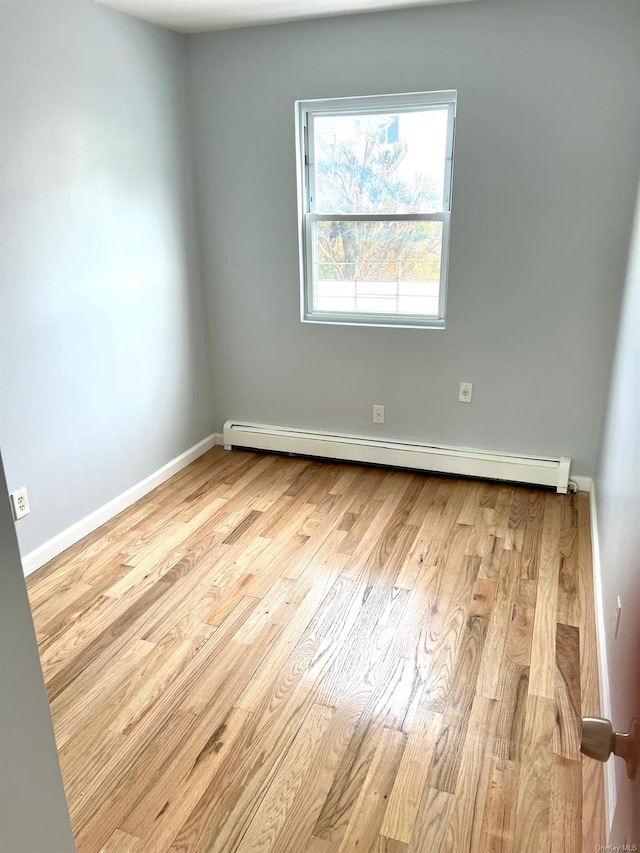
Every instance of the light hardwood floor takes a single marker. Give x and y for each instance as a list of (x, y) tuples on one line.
[(286, 655)]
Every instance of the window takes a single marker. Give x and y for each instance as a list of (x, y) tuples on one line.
[(374, 186)]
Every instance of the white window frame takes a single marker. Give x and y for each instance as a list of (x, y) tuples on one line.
[(306, 113)]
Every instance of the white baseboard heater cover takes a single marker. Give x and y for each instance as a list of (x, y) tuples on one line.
[(461, 461)]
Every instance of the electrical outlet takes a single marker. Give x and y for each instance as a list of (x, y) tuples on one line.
[(20, 503), (466, 392), (378, 413), (616, 618)]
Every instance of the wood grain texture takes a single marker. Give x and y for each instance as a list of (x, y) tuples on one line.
[(465, 818), (534, 790), (566, 738), (411, 779), (272, 813), (278, 655), (120, 842), (521, 628), (566, 805), (363, 830), (543, 653), (432, 821), (499, 816)]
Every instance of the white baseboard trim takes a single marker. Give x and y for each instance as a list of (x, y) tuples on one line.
[(584, 484), (610, 790), (50, 549)]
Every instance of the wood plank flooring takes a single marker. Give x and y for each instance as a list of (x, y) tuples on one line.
[(278, 655)]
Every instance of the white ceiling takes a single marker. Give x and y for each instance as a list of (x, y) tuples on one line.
[(197, 16)]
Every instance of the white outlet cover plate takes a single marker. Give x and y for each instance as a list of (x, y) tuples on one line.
[(378, 413), (20, 503), (466, 392)]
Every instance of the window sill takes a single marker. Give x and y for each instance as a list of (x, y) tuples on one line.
[(433, 323)]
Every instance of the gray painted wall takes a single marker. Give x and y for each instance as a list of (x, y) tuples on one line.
[(548, 117), (618, 503), (104, 369), (33, 810)]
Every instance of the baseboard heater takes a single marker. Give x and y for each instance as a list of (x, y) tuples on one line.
[(461, 461)]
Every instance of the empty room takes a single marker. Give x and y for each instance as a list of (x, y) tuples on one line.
[(319, 377)]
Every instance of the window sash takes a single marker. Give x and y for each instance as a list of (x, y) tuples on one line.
[(378, 318), (413, 103)]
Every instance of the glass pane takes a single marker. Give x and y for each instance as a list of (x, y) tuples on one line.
[(380, 163), (377, 267)]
